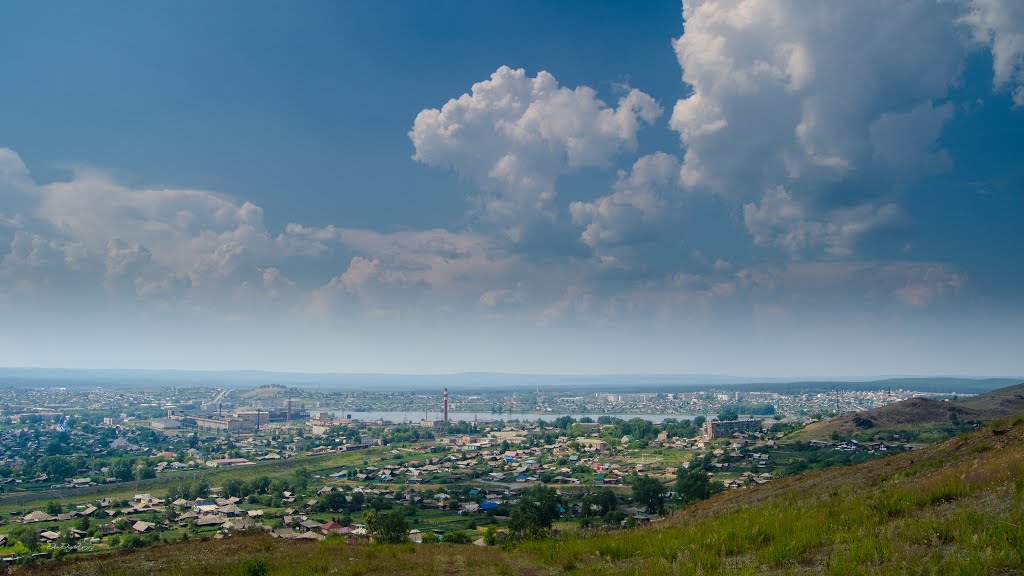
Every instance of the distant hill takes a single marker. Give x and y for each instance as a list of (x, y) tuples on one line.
[(1001, 403), (917, 413), (951, 508)]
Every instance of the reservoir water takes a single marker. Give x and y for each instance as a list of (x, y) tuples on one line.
[(404, 417)]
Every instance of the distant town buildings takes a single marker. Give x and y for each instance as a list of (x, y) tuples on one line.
[(233, 422), (725, 429), (165, 424), (592, 443)]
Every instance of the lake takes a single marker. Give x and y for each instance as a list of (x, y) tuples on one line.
[(487, 416)]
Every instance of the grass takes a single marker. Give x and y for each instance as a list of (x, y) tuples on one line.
[(949, 509)]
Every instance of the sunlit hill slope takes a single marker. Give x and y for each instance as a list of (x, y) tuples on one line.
[(919, 414)]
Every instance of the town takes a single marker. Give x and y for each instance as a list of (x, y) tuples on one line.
[(95, 470)]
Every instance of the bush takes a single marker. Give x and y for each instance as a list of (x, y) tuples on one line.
[(614, 518), (457, 538), (132, 541), (861, 422)]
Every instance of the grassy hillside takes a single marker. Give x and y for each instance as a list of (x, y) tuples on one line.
[(1002, 403), (920, 414), (954, 508)]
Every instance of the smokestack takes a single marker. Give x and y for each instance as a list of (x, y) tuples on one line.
[(220, 408), (289, 417), (445, 403)]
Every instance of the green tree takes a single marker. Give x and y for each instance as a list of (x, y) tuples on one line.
[(300, 479), (57, 467), (607, 501), (143, 470), (55, 447), (534, 513), (122, 469), (358, 499), (614, 518), (332, 502), (234, 487), (27, 535), (728, 416), (260, 485), (648, 492), (387, 527), (693, 483)]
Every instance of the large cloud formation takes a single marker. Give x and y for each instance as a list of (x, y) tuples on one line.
[(804, 126), (815, 116), (90, 237), (514, 136), (148, 242)]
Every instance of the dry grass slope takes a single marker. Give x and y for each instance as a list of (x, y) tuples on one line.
[(953, 508)]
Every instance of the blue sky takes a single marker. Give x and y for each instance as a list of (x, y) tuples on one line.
[(514, 186)]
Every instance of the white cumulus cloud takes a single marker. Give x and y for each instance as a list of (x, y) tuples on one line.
[(514, 135), (999, 25), (808, 112), (639, 199)]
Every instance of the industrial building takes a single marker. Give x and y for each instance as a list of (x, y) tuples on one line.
[(725, 429)]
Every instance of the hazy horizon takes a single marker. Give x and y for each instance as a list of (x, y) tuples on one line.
[(686, 377), (706, 187)]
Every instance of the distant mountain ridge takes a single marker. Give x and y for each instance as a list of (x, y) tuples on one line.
[(476, 381)]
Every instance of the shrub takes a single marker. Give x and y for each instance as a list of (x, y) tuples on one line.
[(457, 538), (132, 541)]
